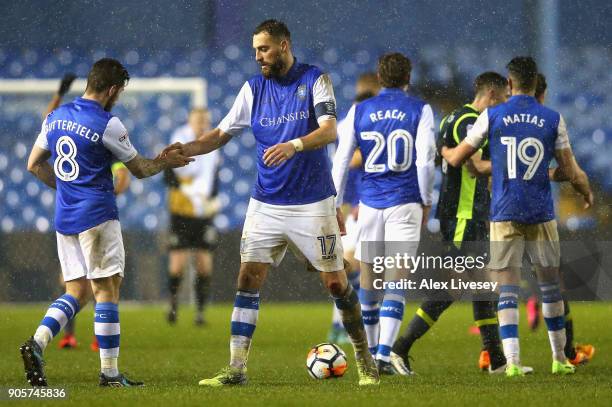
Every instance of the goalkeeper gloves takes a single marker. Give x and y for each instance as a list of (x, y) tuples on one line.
[(66, 83)]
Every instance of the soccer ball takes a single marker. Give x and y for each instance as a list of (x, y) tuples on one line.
[(326, 361)]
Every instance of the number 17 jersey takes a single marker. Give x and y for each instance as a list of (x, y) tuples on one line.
[(84, 141), (523, 136)]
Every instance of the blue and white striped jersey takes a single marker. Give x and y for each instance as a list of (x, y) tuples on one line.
[(279, 110), (523, 136), (84, 141), (395, 132)]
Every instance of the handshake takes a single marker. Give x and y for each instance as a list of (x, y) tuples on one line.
[(174, 156)]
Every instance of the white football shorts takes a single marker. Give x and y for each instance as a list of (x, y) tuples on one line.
[(310, 231), (95, 253), (389, 231)]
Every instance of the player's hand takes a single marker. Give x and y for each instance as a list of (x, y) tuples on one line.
[(340, 218), (588, 200), (278, 154), (426, 210), (175, 159), (178, 147), (66, 83), (469, 164)]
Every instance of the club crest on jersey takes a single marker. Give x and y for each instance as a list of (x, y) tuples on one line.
[(301, 92)]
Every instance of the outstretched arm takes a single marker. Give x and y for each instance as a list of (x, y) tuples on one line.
[(142, 167), (237, 119), (206, 143), (470, 144)]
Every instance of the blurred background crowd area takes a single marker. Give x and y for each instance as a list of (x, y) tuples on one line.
[(449, 44)]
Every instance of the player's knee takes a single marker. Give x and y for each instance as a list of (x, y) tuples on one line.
[(335, 286), (79, 289), (251, 276)]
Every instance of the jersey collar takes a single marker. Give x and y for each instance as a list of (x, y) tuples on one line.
[(391, 91), (83, 101), (527, 98)]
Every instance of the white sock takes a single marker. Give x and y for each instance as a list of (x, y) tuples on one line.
[(391, 316), (108, 366), (336, 318), (508, 316)]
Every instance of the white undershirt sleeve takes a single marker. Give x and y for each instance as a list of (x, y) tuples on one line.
[(346, 147), (425, 145), (478, 133), (323, 98), (41, 140), (239, 116), (562, 140), (116, 139)]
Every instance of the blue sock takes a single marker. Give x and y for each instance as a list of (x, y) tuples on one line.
[(353, 278), (370, 311), (244, 321), (107, 331), (59, 313), (554, 315)]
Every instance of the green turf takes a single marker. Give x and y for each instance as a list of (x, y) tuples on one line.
[(171, 360)]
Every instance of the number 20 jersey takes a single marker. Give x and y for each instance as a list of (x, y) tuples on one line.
[(523, 136), (84, 141), (386, 128)]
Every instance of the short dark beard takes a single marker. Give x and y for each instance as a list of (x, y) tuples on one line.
[(276, 69), (111, 102)]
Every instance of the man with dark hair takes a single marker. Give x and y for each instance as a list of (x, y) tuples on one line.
[(121, 181), (395, 134), (291, 109), (523, 72), (394, 70), (463, 211), (83, 139), (524, 136)]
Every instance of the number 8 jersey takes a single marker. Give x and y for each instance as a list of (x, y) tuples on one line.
[(395, 133), (523, 136), (84, 140)]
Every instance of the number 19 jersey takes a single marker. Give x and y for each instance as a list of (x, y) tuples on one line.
[(523, 136), (84, 141)]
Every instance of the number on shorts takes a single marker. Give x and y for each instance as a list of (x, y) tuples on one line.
[(323, 240), (392, 150), (66, 157), (532, 161)]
